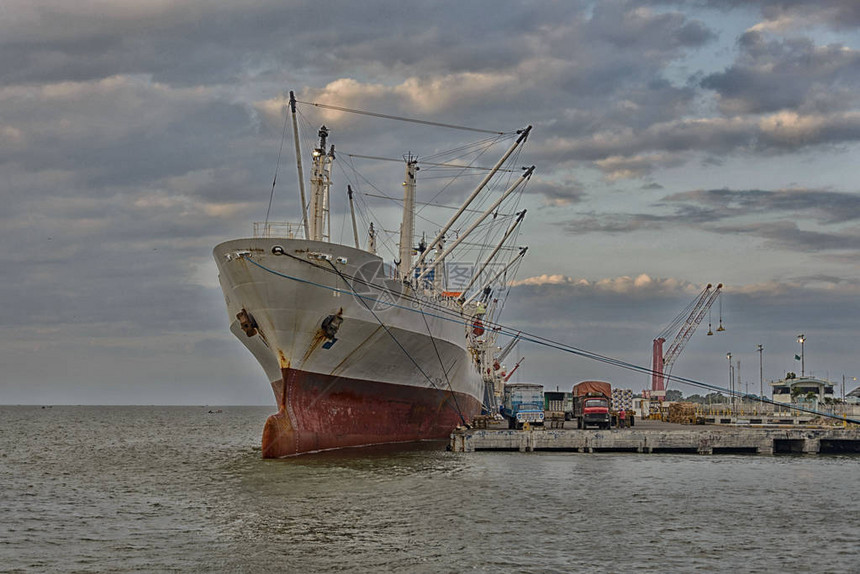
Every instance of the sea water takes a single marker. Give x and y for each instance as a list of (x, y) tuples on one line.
[(161, 489)]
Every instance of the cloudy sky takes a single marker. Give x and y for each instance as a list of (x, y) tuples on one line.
[(677, 143)]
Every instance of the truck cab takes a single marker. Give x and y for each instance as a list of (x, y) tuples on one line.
[(523, 403), (592, 410)]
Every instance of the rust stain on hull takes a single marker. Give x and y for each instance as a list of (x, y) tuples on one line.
[(316, 342), (278, 435), (320, 412), (319, 337)]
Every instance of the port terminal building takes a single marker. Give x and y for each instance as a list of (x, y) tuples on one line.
[(802, 390)]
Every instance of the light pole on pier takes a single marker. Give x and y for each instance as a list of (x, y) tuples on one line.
[(739, 386), (802, 339), (759, 348), (731, 380), (844, 406)]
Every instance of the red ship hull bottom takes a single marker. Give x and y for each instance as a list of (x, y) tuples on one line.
[(320, 412)]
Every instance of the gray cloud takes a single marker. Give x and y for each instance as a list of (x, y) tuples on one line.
[(775, 213), (613, 223), (121, 131), (789, 14), (195, 42), (775, 74), (787, 234), (135, 138), (558, 193), (824, 206)]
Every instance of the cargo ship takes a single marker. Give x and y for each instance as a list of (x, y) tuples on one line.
[(359, 351)]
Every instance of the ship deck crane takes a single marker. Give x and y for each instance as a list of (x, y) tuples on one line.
[(497, 362), (517, 366), (662, 363)]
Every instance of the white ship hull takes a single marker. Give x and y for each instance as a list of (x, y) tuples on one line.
[(397, 367)]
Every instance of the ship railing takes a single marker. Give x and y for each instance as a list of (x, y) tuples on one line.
[(281, 229)]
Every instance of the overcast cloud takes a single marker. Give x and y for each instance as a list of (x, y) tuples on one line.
[(677, 143)]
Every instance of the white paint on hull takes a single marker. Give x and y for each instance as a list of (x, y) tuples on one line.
[(289, 308)]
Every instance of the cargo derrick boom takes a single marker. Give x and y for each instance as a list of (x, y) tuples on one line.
[(661, 364)]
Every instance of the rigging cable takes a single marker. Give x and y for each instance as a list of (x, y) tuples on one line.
[(498, 328), (442, 364), (383, 242), (278, 165), (423, 163), (399, 118), (399, 344), (532, 338), (484, 147)]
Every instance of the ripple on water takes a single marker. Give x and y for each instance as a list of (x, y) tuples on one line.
[(143, 489)]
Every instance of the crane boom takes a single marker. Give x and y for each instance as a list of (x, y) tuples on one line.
[(661, 364), (517, 366), (508, 348)]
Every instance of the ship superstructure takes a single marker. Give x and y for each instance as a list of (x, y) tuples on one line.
[(357, 351)]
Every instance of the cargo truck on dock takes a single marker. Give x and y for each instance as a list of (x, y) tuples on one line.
[(591, 404), (523, 403), (559, 402)]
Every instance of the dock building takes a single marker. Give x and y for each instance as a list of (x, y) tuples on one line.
[(808, 391)]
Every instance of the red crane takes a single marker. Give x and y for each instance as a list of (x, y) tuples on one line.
[(661, 364), (517, 366)]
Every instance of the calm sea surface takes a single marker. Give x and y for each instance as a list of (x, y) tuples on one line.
[(158, 489)]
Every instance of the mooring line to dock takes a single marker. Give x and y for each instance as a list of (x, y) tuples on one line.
[(525, 336), (637, 368), (444, 369), (456, 406)]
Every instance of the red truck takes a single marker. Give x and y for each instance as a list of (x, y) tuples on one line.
[(591, 404)]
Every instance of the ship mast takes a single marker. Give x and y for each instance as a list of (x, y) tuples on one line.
[(320, 187), (407, 227), (371, 239), (299, 164), (352, 214), (439, 278)]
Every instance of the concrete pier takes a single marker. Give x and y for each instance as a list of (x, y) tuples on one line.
[(690, 439)]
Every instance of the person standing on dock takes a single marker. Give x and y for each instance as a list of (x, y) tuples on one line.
[(622, 418)]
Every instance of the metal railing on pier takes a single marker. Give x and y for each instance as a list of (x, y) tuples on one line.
[(756, 409)]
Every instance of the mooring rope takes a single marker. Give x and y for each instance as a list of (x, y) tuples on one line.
[(542, 341), (402, 348)]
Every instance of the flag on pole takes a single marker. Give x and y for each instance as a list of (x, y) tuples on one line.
[(797, 357)]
